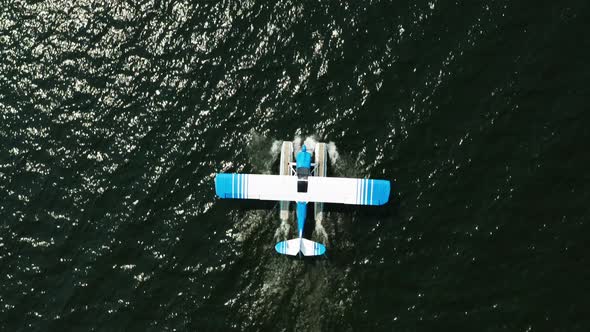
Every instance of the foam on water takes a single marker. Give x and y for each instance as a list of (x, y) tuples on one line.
[(333, 153), (319, 232), (283, 231), (275, 149)]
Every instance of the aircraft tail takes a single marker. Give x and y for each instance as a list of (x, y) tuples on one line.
[(294, 246)]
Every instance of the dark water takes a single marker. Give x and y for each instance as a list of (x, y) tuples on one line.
[(114, 116)]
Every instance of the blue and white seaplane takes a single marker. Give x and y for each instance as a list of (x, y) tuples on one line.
[(302, 181)]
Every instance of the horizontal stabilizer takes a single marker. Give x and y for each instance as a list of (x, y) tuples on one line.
[(290, 247), (307, 247), (310, 248)]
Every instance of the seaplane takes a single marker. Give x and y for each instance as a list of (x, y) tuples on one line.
[(302, 181)]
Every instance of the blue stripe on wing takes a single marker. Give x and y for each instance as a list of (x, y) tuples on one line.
[(231, 185), (373, 192), (381, 189)]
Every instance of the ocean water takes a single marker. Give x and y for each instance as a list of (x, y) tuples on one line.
[(115, 116)]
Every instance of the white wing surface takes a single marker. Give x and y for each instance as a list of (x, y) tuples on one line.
[(320, 189)]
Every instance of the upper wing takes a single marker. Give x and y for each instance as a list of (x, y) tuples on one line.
[(320, 189)]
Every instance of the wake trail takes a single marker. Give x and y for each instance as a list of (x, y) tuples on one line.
[(282, 232), (263, 160)]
